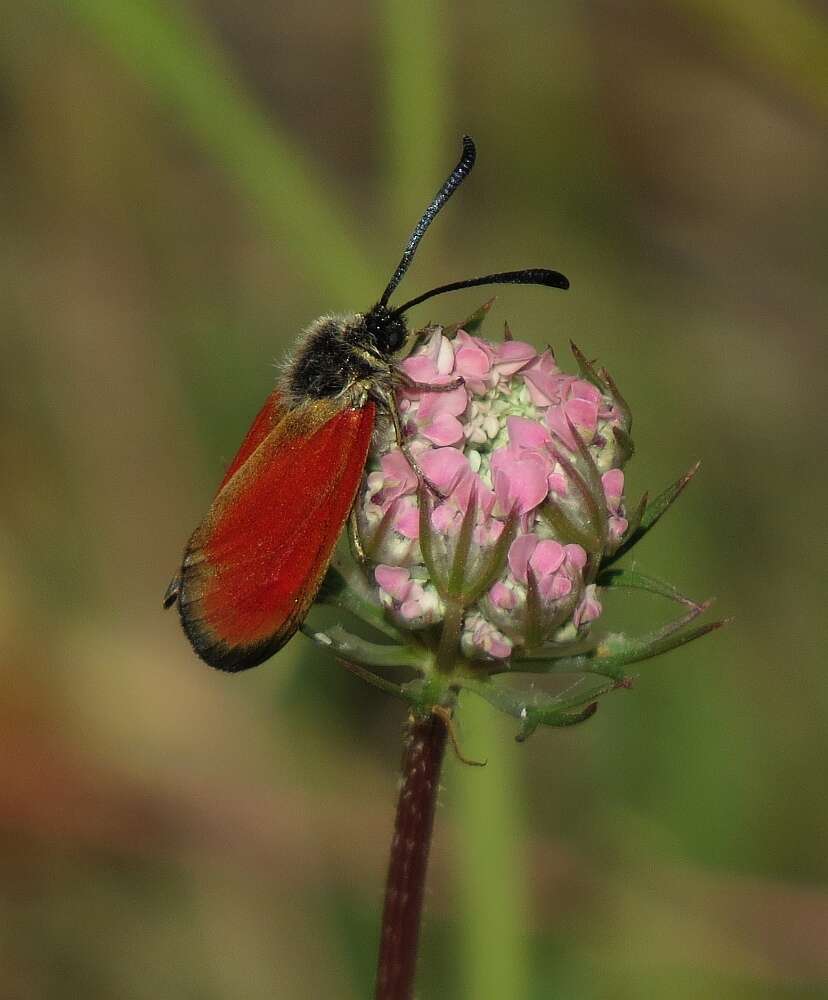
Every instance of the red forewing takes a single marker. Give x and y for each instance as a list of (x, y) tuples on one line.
[(254, 565), (264, 422)]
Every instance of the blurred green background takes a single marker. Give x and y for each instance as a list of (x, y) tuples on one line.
[(182, 188)]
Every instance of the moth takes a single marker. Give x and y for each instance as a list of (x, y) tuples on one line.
[(253, 566)]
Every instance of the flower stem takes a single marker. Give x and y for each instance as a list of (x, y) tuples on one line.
[(425, 744)]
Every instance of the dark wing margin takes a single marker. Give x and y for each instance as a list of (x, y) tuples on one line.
[(254, 565)]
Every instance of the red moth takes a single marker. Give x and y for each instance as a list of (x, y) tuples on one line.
[(254, 565)]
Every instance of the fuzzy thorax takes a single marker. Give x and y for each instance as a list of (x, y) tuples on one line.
[(343, 355)]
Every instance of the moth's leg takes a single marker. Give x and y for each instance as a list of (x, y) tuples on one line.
[(355, 539), (447, 717), (375, 361), (409, 383)]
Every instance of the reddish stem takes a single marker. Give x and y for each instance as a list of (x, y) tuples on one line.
[(401, 914)]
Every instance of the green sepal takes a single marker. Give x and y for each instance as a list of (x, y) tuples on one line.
[(566, 528), (626, 446), (621, 403), (539, 708), (372, 545), (438, 578), (594, 498), (596, 524), (554, 651), (471, 323), (634, 520), (587, 369), (462, 546), (530, 725), (632, 579), (355, 649), (651, 515), (617, 650), (421, 694)]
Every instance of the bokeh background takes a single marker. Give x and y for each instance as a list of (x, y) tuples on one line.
[(182, 188)]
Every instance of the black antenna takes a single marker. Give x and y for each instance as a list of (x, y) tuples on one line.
[(452, 182), (529, 276)]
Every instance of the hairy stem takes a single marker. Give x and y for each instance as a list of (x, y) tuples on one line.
[(425, 744)]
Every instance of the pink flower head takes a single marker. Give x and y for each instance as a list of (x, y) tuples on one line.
[(513, 439)]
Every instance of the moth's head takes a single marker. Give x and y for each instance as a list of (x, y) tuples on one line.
[(384, 326), (386, 329)]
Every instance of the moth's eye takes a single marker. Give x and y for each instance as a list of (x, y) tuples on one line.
[(395, 336)]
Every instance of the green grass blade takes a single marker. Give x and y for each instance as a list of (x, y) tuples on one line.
[(170, 51)]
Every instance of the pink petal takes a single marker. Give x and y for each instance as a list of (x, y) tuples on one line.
[(444, 430), (499, 647), (483, 636), (470, 362), (420, 368), (579, 389), (576, 556), (502, 597), (557, 483), (445, 468), (584, 415), (613, 483), (453, 402), (617, 527), (445, 518), (543, 380), (525, 433), (413, 606), (512, 355), (399, 477), (407, 520), (520, 483), (519, 553), (548, 556), (394, 580), (555, 587), (557, 423), (488, 532), (589, 609)]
